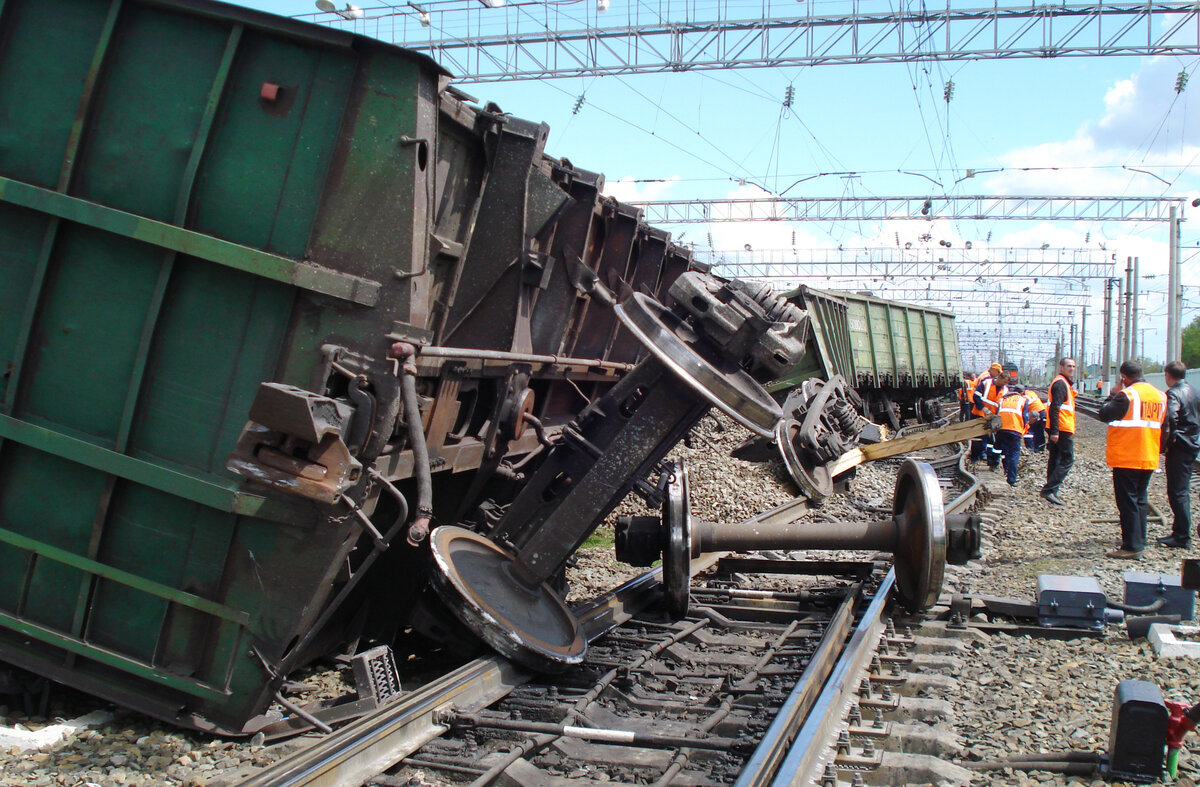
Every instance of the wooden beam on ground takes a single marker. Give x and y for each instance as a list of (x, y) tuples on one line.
[(954, 433)]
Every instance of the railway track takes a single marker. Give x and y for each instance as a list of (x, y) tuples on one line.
[(775, 656)]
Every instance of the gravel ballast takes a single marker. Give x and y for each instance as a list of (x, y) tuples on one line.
[(1022, 695)]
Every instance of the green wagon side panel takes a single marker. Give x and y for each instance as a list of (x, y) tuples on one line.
[(953, 354), (365, 223), (917, 342), (862, 341), (87, 332), (937, 353), (23, 232), (203, 372), (160, 109), (897, 328), (890, 354), (24, 509), (44, 63), (148, 95), (260, 184)]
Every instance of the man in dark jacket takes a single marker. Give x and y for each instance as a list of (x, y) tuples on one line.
[(1180, 442)]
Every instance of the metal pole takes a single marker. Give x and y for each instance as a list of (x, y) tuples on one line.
[(1133, 312), (1126, 344), (1174, 304), (1082, 347), (1106, 352), (1119, 344)]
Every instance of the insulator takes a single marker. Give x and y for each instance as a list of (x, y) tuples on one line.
[(789, 95), (948, 91), (1181, 81), (578, 105)]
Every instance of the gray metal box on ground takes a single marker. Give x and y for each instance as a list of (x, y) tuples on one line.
[(1142, 589), (1138, 736), (1077, 602)]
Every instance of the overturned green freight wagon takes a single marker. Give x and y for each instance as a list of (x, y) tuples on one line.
[(209, 214), (900, 357)]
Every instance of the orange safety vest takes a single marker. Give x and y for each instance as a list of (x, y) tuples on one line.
[(966, 391), (1012, 413), (1066, 413), (992, 391), (1133, 440), (1036, 405)]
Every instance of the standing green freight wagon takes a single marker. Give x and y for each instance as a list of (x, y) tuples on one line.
[(901, 358), (193, 198)]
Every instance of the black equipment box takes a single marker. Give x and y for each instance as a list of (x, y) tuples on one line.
[(1137, 740), (1143, 589), (1077, 602)]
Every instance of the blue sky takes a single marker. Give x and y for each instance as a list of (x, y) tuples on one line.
[(696, 134)]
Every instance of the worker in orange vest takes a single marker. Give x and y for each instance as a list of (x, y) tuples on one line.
[(1014, 421), (1060, 430), (965, 392), (1134, 411), (1037, 421), (986, 402)]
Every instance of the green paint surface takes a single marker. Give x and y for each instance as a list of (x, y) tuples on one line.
[(132, 355), (44, 63)]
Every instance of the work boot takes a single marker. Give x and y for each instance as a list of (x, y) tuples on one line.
[(1174, 542), (1124, 554), (1050, 497)]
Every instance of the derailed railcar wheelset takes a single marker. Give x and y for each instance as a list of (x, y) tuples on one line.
[(456, 356)]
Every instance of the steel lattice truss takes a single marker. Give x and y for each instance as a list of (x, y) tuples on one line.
[(551, 40), (795, 266), (713, 211), (940, 297)]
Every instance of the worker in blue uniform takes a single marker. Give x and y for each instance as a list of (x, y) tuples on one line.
[(1014, 422)]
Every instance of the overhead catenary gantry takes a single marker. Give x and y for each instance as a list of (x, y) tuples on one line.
[(1164, 210), (935, 295), (898, 262), (488, 41), (971, 208)]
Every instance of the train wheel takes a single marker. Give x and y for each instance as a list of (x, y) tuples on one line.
[(920, 554), (479, 582)]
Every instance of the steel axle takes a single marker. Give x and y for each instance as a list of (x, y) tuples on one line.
[(919, 534)]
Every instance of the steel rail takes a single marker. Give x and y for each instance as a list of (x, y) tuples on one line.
[(805, 760), (803, 764), (770, 758), (365, 748)]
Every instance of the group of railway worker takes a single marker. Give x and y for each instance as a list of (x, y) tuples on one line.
[(1143, 423), (1023, 419)]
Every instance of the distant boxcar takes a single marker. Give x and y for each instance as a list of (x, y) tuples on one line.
[(901, 358)]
